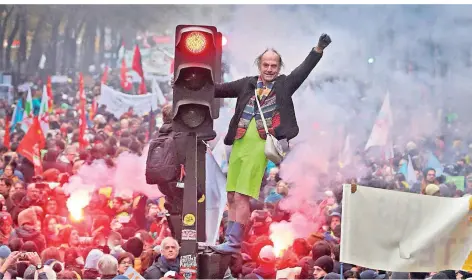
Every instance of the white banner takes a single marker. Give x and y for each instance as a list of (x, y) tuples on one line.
[(405, 232), (119, 103)]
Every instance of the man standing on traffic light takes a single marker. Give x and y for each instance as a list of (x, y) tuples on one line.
[(247, 135)]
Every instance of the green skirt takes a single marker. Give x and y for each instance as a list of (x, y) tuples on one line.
[(247, 163)]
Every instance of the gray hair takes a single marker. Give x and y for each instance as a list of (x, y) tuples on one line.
[(167, 240), (107, 265), (258, 59)]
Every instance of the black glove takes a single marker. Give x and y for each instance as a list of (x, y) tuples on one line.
[(324, 41)]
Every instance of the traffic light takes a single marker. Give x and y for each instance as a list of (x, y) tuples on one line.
[(197, 67)]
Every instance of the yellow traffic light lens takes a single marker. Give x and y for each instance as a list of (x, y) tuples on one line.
[(195, 42)]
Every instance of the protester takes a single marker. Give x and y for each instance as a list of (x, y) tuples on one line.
[(167, 261), (248, 162), (118, 231)]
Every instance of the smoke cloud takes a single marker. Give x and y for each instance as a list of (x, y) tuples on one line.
[(126, 178), (420, 54)]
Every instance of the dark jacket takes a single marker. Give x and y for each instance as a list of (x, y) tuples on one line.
[(284, 87), (30, 235), (157, 270)]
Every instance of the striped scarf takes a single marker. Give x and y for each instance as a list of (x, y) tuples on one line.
[(267, 100)]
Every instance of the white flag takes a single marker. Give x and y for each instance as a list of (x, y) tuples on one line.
[(43, 112), (380, 131), (405, 232), (411, 178), (346, 154), (28, 112), (156, 89)]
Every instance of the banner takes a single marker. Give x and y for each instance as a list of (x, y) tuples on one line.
[(119, 103), (405, 232), (459, 181)]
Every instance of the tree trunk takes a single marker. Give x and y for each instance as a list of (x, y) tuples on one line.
[(66, 46), (52, 49), (23, 39), (36, 46), (73, 46), (87, 57), (101, 52), (11, 38), (3, 29)]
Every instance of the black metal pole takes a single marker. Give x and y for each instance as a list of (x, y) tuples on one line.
[(189, 245), (201, 181)]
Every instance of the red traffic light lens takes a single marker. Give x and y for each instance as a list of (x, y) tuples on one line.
[(195, 42)]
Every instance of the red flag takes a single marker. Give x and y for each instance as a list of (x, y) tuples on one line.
[(142, 87), (123, 77), (138, 67), (105, 76), (82, 121), (31, 144), (6, 137), (49, 92)]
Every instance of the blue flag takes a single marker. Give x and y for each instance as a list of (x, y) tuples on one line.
[(17, 115), (434, 163)]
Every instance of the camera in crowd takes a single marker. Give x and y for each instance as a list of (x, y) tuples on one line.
[(453, 169)]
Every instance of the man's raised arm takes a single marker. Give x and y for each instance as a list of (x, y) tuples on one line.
[(299, 74)]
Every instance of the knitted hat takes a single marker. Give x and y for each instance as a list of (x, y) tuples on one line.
[(134, 246), (267, 254), (431, 189), (321, 248), (27, 216), (326, 263), (332, 275), (4, 251), (91, 262)]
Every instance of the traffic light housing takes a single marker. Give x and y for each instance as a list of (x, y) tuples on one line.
[(197, 67)]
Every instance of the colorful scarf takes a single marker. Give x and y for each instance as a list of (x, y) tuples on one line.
[(261, 90), (267, 101)]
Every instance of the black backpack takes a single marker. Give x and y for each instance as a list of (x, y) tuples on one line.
[(162, 163)]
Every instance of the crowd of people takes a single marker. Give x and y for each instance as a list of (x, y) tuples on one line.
[(120, 237)]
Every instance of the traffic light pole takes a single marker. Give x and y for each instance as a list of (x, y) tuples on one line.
[(193, 212)]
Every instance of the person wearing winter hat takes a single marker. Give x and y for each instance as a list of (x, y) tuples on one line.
[(321, 248), (27, 221), (370, 274), (432, 190), (332, 275), (135, 246), (322, 267), (91, 264), (4, 252), (266, 262)]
